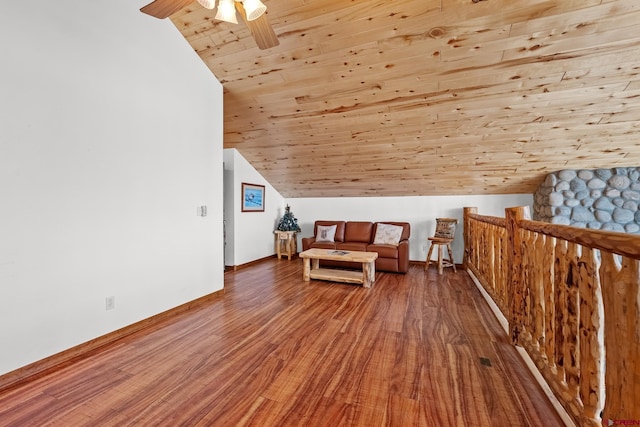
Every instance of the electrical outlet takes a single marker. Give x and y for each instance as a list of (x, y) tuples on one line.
[(110, 303)]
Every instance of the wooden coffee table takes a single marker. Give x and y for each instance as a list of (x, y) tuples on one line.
[(312, 268)]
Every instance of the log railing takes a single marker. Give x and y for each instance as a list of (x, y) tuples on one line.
[(572, 300)]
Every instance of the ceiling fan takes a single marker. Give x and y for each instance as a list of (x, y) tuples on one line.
[(252, 11)]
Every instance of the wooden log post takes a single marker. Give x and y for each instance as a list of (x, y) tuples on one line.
[(621, 297), (536, 290), (306, 270), (517, 289), (504, 271), (368, 273), (467, 259), (559, 285), (528, 275), (591, 351), (550, 303), (571, 324), (490, 248)]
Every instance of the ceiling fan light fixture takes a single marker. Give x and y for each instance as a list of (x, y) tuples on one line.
[(254, 8), (207, 4), (227, 12)]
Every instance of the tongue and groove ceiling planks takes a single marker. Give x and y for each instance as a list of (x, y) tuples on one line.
[(427, 97)]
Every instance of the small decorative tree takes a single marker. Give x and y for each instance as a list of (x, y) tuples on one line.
[(288, 222)]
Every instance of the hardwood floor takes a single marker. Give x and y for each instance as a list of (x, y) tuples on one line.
[(414, 350)]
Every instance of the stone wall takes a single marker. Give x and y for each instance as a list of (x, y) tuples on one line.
[(604, 199)]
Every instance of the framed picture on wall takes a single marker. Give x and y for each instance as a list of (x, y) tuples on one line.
[(252, 197)]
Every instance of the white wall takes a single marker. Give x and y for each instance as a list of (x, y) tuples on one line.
[(421, 212), (249, 235), (110, 137)]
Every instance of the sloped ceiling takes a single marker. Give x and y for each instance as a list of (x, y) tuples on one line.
[(427, 97)]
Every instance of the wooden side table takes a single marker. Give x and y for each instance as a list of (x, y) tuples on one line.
[(286, 243)]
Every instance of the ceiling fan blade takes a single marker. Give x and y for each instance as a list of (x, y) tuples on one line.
[(260, 29), (164, 8)]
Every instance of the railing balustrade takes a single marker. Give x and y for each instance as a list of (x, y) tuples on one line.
[(572, 300)]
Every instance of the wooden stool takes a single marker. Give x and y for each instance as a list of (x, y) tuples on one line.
[(445, 231), (441, 243), (286, 243)]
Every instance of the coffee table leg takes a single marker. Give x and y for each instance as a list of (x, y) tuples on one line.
[(368, 273), (306, 270)]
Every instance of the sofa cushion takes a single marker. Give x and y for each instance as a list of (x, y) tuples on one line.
[(323, 245), (325, 233), (358, 231), (384, 251), (353, 246), (387, 234)]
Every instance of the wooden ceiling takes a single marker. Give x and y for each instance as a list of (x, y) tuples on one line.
[(427, 97)]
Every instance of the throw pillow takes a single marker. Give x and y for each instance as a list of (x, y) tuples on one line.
[(445, 227), (325, 233), (387, 234)]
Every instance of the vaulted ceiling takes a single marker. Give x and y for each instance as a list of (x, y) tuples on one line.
[(427, 97)]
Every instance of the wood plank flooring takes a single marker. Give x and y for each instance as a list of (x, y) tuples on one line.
[(414, 350)]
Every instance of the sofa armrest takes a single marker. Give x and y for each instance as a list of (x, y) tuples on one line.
[(306, 242), (403, 256)]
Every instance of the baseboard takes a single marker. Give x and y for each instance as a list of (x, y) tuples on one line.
[(421, 262), (256, 261), (566, 418), (564, 415), (67, 357), (494, 307)]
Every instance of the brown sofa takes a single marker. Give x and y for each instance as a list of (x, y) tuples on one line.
[(359, 236)]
